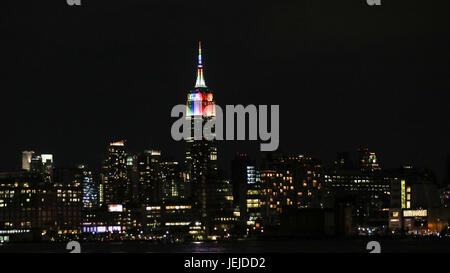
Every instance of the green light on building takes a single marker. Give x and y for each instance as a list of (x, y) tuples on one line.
[(403, 188)]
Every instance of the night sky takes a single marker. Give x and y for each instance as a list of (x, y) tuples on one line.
[(344, 74)]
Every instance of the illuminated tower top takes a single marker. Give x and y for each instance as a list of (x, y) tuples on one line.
[(200, 97), (200, 79)]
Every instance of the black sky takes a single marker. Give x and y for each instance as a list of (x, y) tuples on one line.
[(344, 74)]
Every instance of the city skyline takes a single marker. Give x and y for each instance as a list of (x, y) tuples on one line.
[(197, 107), (355, 86), (353, 158), (225, 135), (147, 196)]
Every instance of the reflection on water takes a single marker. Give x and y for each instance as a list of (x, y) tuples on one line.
[(275, 246)]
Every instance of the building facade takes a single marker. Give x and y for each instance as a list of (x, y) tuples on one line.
[(116, 185)]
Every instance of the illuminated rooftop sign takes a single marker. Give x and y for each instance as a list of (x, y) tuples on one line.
[(415, 213), (118, 143), (115, 208)]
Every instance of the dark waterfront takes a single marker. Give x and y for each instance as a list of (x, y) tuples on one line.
[(275, 246)]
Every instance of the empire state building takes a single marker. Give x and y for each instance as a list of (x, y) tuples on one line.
[(201, 154)]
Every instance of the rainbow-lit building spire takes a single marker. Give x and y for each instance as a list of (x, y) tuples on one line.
[(200, 82), (200, 97), (201, 153)]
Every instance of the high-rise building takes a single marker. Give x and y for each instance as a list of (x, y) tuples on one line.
[(367, 192), (116, 185), (343, 161), (26, 205), (133, 178), (201, 154), (278, 192), (239, 182), (413, 193), (253, 214), (246, 181), (90, 188), (43, 165), (308, 175), (26, 160), (172, 180), (444, 197), (290, 181), (149, 177), (278, 187), (69, 200), (368, 161)]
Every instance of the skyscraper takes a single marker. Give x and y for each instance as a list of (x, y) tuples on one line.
[(41, 164), (239, 180), (89, 185), (253, 215), (115, 180), (201, 154), (149, 173), (368, 161), (343, 161), (308, 175), (172, 180), (68, 186), (26, 160), (289, 181)]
